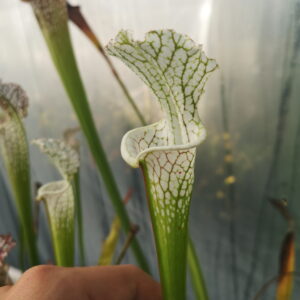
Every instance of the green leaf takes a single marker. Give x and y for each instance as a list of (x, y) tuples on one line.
[(52, 17), (58, 197), (176, 69), (196, 273), (14, 149)]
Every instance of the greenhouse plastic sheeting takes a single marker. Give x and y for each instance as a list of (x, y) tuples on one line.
[(251, 110)]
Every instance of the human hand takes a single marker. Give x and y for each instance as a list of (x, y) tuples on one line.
[(47, 282)]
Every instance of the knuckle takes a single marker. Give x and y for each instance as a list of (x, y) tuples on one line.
[(38, 274), (132, 270)]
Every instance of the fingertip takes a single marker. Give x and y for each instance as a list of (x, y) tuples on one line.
[(148, 289)]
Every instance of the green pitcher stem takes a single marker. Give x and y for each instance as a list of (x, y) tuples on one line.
[(28, 236), (21, 190), (171, 247), (19, 176)]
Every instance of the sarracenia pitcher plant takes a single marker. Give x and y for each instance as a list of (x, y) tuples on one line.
[(14, 150), (59, 198), (176, 69)]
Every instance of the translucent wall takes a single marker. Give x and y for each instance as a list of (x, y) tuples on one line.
[(251, 110)]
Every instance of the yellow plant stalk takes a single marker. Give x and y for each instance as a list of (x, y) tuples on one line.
[(287, 268)]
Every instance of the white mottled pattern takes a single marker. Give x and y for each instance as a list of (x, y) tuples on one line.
[(13, 107), (65, 158), (171, 176), (176, 70), (16, 96)]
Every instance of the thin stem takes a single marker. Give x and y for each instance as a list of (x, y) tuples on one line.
[(264, 288), (78, 216), (196, 273), (231, 195), (79, 20), (134, 230)]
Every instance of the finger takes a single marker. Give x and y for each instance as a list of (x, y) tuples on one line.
[(109, 282), (124, 282), (3, 291), (148, 289)]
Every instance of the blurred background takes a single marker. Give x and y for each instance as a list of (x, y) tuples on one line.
[(251, 109)]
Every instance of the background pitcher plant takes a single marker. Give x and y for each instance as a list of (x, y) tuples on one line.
[(14, 149), (59, 198)]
